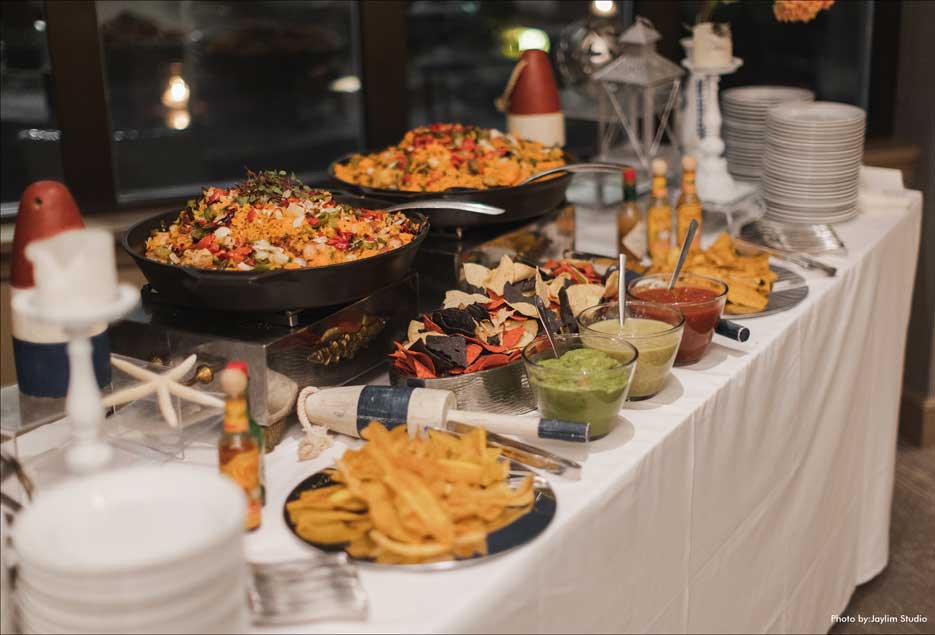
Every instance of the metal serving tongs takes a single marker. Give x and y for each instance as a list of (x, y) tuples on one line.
[(524, 454), (796, 258), (598, 166), (444, 204)]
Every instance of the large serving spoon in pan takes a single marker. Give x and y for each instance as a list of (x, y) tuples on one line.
[(462, 206), (598, 166)]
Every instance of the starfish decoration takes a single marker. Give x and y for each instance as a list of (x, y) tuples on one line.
[(163, 385)]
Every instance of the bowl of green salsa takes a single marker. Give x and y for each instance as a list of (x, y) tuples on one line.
[(583, 383), (654, 329)]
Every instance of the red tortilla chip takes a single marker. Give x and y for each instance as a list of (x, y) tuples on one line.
[(492, 348), (430, 325), (496, 301), (511, 338), (404, 365), (473, 352), (424, 372), (485, 362)]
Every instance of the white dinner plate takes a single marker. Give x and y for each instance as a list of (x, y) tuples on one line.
[(130, 519)]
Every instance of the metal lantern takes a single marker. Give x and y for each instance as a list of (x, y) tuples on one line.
[(639, 78)]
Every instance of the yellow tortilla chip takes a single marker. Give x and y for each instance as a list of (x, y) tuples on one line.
[(476, 275), (582, 296), (456, 299), (501, 275)]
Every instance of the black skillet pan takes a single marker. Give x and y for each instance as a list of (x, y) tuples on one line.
[(279, 289), (519, 201)]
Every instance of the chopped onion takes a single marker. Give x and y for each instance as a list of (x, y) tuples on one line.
[(242, 266), (261, 244), (222, 232), (295, 209), (298, 221), (300, 261)]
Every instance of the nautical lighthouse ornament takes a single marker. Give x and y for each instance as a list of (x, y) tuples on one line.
[(46, 209)]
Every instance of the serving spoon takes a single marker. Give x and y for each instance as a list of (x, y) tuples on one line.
[(461, 206), (689, 236), (577, 167)]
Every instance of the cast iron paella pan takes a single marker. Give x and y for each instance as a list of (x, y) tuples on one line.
[(523, 201), (278, 289)]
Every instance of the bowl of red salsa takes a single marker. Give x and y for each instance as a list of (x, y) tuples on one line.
[(700, 299)]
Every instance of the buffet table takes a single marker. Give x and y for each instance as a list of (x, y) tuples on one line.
[(751, 495)]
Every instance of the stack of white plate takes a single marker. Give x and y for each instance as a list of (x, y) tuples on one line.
[(143, 550), (744, 123), (811, 168)]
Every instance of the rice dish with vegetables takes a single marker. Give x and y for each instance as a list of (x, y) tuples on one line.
[(442, 156), (274, 221)]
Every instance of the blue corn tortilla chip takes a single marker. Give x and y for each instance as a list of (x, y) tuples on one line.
[(453, 348), (442, 364), (568, 323), (453, 321)]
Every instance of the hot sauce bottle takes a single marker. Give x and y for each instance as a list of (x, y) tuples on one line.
[(659, 216), (255, 429), (689, 205), (238, 451), (631, 228)]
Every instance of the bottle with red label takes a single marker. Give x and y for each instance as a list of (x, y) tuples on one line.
[(238, 451)]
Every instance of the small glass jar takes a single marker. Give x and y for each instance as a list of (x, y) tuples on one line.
[(654, 329), (589, 387)]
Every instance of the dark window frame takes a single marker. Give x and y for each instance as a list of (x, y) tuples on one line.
[(80, 94)]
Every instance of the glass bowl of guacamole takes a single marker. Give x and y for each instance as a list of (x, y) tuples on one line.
[(583, 383), (700, 299), (654, 329)]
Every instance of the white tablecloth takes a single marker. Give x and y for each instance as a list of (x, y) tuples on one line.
[(752, 495)]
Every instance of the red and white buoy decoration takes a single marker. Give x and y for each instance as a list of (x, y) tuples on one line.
[(46, 209), (531, 103)]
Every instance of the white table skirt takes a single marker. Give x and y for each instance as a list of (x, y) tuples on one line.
[(752, 495)]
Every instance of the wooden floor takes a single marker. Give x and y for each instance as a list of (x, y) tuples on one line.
[(907, 586)]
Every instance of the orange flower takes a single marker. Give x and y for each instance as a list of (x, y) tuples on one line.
[(799, 10)]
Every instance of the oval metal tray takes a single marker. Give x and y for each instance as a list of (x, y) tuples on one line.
[(516, 534), (789, 290)]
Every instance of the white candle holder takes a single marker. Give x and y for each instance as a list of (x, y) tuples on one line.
[(76, 289), (715, 184)]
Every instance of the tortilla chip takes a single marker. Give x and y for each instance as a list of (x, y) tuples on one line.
[(522, 271), (582, 296), (524, 308), (610, 287), (476, 275), (530, 332), (472, 352), (486, 362), (415, 328), (512, 336), (455, 299), (556, 284), (745, 296), (501, 275), (542, 289)]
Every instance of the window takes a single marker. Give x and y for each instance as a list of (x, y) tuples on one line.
[(198, 91), (31, 140), (462, 53)]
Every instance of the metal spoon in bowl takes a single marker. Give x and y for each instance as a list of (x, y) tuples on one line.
[(540, 307), (689, 236), (621, 289)]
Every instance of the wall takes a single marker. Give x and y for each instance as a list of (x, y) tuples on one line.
[(915, 123)]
